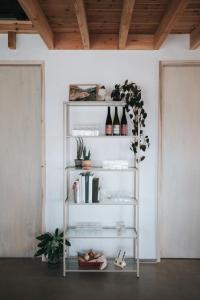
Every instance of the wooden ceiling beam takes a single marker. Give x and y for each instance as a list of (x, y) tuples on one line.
[(35, 14), (195, 38), (17, 26), (126, 16), (82, 22), (73, 41), (12, 40), (174, 10)]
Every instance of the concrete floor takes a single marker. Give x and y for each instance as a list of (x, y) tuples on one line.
[(31, 279)]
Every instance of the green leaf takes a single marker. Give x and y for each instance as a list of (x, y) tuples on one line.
[(61, 234), (67, 243), (45, 236), (43, 244), (56, 232), (40, 252)]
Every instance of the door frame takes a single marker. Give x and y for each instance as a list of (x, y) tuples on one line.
[(41, 64), (162, 65)]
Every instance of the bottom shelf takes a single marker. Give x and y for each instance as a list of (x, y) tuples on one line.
[(72, 266)]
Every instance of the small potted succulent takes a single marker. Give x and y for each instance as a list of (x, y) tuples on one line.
[(80, 146), (51, 246), (86, 164)]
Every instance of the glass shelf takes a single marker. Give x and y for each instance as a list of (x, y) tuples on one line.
[(104, 233), (100, 136), (132, 201), (100, 169), (72, 266), (95, 103)]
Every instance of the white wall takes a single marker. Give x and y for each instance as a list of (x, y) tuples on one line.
[(104, 67)]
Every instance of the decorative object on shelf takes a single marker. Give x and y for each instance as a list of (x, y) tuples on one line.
[(85, 130), (86, 164), (109, 125), (117, 197), (120, 262), (101, 93), (88, 226), (83, 92), (51, 246), (79, 153), (131, 93), (115, 164), (116, 93), (116, 123), (124, 125), (120, 225), (92, 260), (86, 188)]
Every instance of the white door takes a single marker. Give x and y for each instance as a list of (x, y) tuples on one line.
[(180, 161), (20, 159)]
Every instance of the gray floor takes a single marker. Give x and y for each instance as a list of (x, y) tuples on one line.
[(31, 279)]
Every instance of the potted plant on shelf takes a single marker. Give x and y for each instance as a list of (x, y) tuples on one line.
[(131, 94), (86, 164), (51, 246), (80, 146)]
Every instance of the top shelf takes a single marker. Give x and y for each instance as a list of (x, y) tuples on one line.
[(95, 103)]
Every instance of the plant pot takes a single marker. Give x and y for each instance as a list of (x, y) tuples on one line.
[(54, 261), (78, 163), (86, 164)]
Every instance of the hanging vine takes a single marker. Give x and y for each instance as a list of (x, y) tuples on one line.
[(131, 94)]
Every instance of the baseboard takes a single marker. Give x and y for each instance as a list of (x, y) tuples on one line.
[(153, 261)]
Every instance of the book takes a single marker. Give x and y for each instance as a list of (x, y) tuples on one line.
[(76, 189), (87, 187), (95, 189), (82, 188), (90, 187)]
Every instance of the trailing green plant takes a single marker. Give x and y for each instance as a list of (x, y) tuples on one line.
[(131, 94), (51, 246), (85, 155), (80, 146)]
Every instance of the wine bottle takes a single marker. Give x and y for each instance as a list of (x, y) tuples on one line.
[(116, 124), (109, 127), (124, 126)]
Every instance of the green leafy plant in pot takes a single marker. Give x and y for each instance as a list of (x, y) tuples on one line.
[(86, 164), (131, 94), (51, 246), (80, 146)]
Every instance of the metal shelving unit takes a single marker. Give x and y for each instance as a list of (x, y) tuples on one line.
[(70, 264)]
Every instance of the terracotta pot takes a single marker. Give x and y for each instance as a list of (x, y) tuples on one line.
[(86, 164)]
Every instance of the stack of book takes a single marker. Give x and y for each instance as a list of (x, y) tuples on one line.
[(86, 188)]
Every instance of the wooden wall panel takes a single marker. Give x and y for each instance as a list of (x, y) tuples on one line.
[(20, 159)]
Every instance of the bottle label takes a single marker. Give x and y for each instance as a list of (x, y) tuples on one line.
[(116, 130), (124, 129), (108, 129)]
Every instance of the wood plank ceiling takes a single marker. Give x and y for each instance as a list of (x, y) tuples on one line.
[(106, 24)]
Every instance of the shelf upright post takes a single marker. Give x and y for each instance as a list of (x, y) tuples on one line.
[(138, 194), (134, 207), (67, 182), (64, 188)]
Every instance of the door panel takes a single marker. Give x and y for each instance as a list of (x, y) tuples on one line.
[(180, 162), (20, 159)]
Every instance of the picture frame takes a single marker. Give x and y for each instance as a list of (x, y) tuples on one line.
[(83, 92)]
